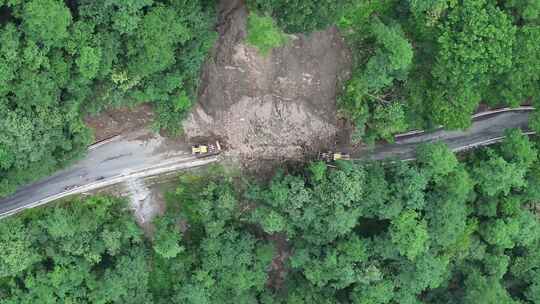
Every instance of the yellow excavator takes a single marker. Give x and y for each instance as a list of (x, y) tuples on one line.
[(201, 150), (333, 156)]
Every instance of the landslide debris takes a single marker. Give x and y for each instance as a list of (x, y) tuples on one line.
[(269, 107)]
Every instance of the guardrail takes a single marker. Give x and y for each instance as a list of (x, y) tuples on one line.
[(175, 165), (474, 117), (103, 142), (146, 172), (484, 143)]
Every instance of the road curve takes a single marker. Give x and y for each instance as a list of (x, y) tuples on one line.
[(119, 159), (142, 154), (486, 129)]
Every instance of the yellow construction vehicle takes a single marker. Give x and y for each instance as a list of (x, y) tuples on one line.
[(206, 149), (333, 156), (199, 149)]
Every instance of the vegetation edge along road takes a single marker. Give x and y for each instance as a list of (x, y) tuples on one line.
[(120, 177), (443, 229)]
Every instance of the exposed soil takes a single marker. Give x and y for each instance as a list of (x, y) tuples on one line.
[(146, 203), (146, 199), (274, 107), (278, 267), (119, 120)]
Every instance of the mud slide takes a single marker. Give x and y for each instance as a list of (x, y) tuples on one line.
[(272, 107)]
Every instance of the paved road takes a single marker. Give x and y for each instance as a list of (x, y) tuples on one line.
[(146, 154), (486, 129), (118, 160)]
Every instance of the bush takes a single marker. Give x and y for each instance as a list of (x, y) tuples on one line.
[(264, 34)]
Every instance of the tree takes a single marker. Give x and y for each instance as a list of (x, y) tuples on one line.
[(501, 232), (529, 227), (272, 222), (447, 211), (496, 265), (376, 200), (484, 290), (377, 293), (9, 56), (429, 10), (525, 266), (319, 213), (436, 160), (496, 176), (534, 121), (337, 266), (390, 62), (427, 271), (526, 9), (521, 81), (474, 47), (407, 185), (317, 171), (159, 33), (166, 237), (533, 291), (232, 270), (126, 16), (47, 21), (302, 292), (89, 62), (16, 246), (35, 142), (517, 148), (387, 121), (125, 282), (409, 234), (392, 59), (80, 251)]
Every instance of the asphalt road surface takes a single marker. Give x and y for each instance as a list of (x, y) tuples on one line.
[(485, 130), (146, 154), (120, 159)]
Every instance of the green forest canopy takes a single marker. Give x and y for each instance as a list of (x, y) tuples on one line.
[(60, 60), (438, 230), (423, 63)]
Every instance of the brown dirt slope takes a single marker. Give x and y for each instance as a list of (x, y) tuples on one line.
[(119, 120), (269, 107)]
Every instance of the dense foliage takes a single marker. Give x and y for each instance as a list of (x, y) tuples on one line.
[(222, 259), (440, 230), (422, 63), (92, 251), (88, 251), (437, 231), (58, 63)]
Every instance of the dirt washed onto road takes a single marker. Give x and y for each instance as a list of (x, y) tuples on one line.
[(269, 107), (121, 120)]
